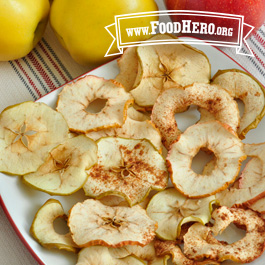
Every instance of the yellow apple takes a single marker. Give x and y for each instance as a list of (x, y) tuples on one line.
[(80, 25), (22, 25)]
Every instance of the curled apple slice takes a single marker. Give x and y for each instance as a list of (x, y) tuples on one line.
[(128, 64), (126, 167), (42, 228), (211, 97), (101, 255), (218, 138), (76, 97), (170, 209), (28, 131), (245, 87), (92, 223), (178, 258), (136, 126), (199, 241), (168, 65), (64, 171), (251, 184)]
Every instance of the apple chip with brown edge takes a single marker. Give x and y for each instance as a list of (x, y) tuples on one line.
[(64, 171), (178, 258), (170, 209), (168, 65), (136, 126), (211, 97), (146, 253), (251, 186), (42, 228), (245, 87), (126, 167), (28, 131), (219, 139), (92, 223), (199, 241), (75, 98), (101, 255), (128, 64)]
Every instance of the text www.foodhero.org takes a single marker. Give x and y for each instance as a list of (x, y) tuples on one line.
[(185, 26)]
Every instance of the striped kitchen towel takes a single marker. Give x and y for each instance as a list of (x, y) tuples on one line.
[(45, 68)]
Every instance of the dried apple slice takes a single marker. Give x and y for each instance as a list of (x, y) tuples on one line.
[(199, 241), (168, 65), (245, 87), (92, 223), (75, 98), (178, 258), (126, 167), (64, 171), (128, 64), (251, 182), (42, 228), (216, 137), (136, 126), (146, 253), (211, 97), (100, 255), (28, 131), (170, 209)]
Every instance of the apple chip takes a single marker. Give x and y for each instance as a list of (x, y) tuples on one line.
[(211, 97), (178, 258), (126, 167), (166, 66), (170, 209), (199, 241), (75, 98), (128, 64), (245, 87), (146, 253), (28, 131), (64, 171), (136, 126), (251, 186), (92, 223), (100, 255), (42, 228), (216, 137)]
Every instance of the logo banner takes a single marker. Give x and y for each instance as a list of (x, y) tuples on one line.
[(209, 28)]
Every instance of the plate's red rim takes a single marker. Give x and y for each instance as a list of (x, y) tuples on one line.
[(23, 240)]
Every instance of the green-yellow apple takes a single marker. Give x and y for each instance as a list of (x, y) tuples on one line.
[(80, 25), (22, 24)]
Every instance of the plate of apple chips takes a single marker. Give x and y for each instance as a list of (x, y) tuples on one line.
[(155, 158)]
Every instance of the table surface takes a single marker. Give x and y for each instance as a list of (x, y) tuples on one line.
[(49, 66)]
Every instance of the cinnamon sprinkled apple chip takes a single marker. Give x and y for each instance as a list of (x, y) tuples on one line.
[(199, 241), (92, 223), (174, 100), (126, 167)]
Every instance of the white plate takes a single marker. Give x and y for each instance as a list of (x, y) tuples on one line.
[(21, 202)]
